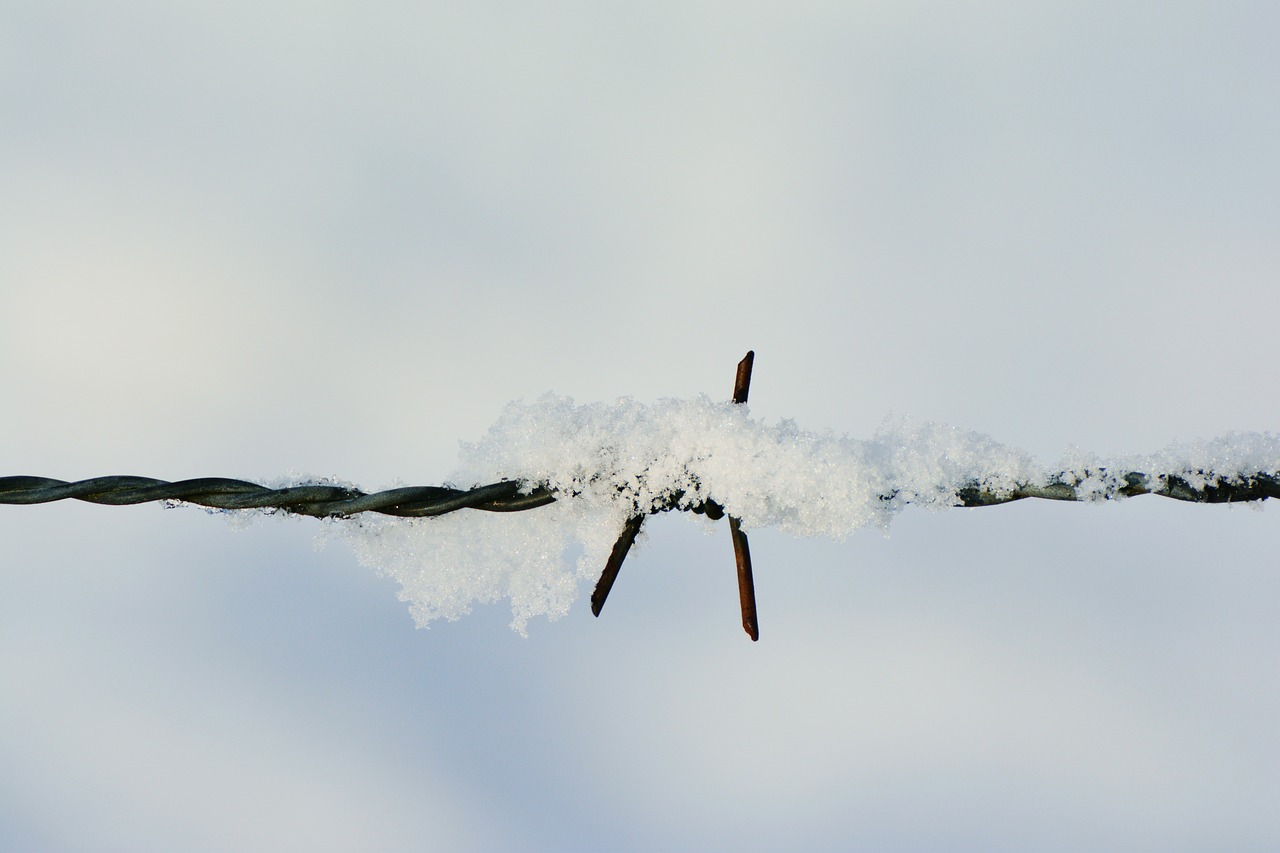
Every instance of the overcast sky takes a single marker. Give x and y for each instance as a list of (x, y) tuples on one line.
[(249, 239)]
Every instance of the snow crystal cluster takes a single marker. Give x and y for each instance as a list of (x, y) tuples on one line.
[(606, 462)]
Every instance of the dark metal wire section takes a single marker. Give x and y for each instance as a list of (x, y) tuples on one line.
[(1253, 487), (323, 501), (320, 501)]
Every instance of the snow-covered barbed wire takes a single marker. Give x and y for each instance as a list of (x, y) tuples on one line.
[(686, 454), (609, 462), (594, 467)]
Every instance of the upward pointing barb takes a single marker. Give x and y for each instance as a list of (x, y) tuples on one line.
[(742, 382)]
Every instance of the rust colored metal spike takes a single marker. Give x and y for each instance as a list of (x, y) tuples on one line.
[(741, 550), (611, 568), (742, 382), (746, 583)]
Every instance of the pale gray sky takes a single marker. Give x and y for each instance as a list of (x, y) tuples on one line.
[(243, 239)]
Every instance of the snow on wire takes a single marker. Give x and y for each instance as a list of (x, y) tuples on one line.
[(597, 469), (330, 501)]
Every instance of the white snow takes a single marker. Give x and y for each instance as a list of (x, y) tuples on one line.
[(606, 462)]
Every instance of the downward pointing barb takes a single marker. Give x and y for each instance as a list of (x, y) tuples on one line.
[(620, 548), (746, 584)]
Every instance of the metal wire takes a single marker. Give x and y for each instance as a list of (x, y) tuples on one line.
[(321, 501), (1215, 490), (325, 501)]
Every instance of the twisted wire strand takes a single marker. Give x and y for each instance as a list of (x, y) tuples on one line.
[(1215, 489), (321, 501), (325, 501)]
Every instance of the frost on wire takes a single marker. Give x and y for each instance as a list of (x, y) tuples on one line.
[(607, 462)]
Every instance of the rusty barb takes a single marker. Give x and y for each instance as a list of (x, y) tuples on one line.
[(741, 550)]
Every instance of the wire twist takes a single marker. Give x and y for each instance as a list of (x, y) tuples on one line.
[(1065, 487), (321, 501)]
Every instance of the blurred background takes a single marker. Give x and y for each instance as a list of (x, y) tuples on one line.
[(244, 239)]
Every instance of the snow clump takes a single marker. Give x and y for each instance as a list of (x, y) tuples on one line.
[(607, 462)]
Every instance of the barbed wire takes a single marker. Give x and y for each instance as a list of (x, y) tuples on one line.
[(328, 500), (331, 501)]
